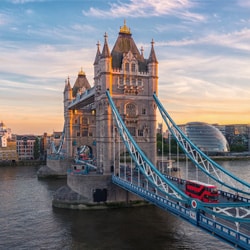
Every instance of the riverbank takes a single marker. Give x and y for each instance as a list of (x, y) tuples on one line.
[(22, 163), (236, 157), (231, 158), (216, 157)]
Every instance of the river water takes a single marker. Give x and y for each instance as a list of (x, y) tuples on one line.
[(28, 220)]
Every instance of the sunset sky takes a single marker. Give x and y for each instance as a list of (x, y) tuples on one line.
[(203, 50)]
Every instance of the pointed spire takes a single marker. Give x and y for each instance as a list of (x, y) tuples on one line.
[(67, 85), (105, 51), (98, 53), (152, 56)]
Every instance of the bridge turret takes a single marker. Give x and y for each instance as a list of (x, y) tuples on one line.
[(153, 69), (67, 93), (68, 97), (106, 66), (97, 59)]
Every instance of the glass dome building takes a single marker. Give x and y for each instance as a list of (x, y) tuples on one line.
[(206, 137)]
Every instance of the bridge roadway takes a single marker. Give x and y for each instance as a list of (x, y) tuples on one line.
[(224, 197), (133, 178)]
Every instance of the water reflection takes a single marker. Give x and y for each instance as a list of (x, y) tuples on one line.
[(28, 220), (132, 228)]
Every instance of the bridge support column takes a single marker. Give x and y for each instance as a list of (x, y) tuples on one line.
[(93, 191)]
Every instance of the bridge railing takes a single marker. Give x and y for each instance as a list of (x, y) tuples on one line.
[(196, 217)]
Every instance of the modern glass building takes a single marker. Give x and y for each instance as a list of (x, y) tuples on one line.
[(206, 137)]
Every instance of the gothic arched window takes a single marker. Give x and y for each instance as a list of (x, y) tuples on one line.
[(85, 121), (133, 67), (127, 67), (130, 110)]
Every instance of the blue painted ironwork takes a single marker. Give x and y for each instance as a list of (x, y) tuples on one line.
[(191, 215), (168, 196), (55, 150), (200, 159), (151, 173)]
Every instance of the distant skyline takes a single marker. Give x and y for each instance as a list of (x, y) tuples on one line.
[(202, 47)]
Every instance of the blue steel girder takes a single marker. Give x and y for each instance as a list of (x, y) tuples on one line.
[(236, 212), (58, 151), (200, 159), (146, 167)]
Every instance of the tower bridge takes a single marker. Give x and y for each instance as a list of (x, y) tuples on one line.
[(132, 79), (110, 138)]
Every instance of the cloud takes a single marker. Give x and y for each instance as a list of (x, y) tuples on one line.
[(47, 60), (197, 84), (84, 28), (244, 3), (145, 8), (34, 77), (25, 1), (237, 39), (4, 19), (234, 40)]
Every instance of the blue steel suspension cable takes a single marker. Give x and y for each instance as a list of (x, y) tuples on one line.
[(166, 115)]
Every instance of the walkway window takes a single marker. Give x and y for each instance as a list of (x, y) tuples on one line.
[(127, 67), (139, 82), (120, 80), (127, 81), (85, 132), (130, 110), (133, 67), (133, 81), (140, 132), (84, 121), (143, 111)]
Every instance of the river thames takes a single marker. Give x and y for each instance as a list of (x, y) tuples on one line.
[(28, 220)]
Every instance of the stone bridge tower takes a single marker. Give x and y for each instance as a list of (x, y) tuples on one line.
[(131, 80)]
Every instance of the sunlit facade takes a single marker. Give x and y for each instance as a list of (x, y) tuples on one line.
[(206, 137)]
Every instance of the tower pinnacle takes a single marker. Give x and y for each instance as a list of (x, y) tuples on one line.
[(152, 56), (125, 29), (105, 51)]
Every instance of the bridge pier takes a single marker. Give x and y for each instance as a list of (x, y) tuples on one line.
[(54, 168), (94, 191)]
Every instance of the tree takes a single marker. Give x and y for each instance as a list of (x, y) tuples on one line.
[(173, 145), (37, 149)]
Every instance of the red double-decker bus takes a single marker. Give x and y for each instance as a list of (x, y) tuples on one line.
[(202, 191)]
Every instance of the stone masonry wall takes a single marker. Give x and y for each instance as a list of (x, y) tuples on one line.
[(86, 185)]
